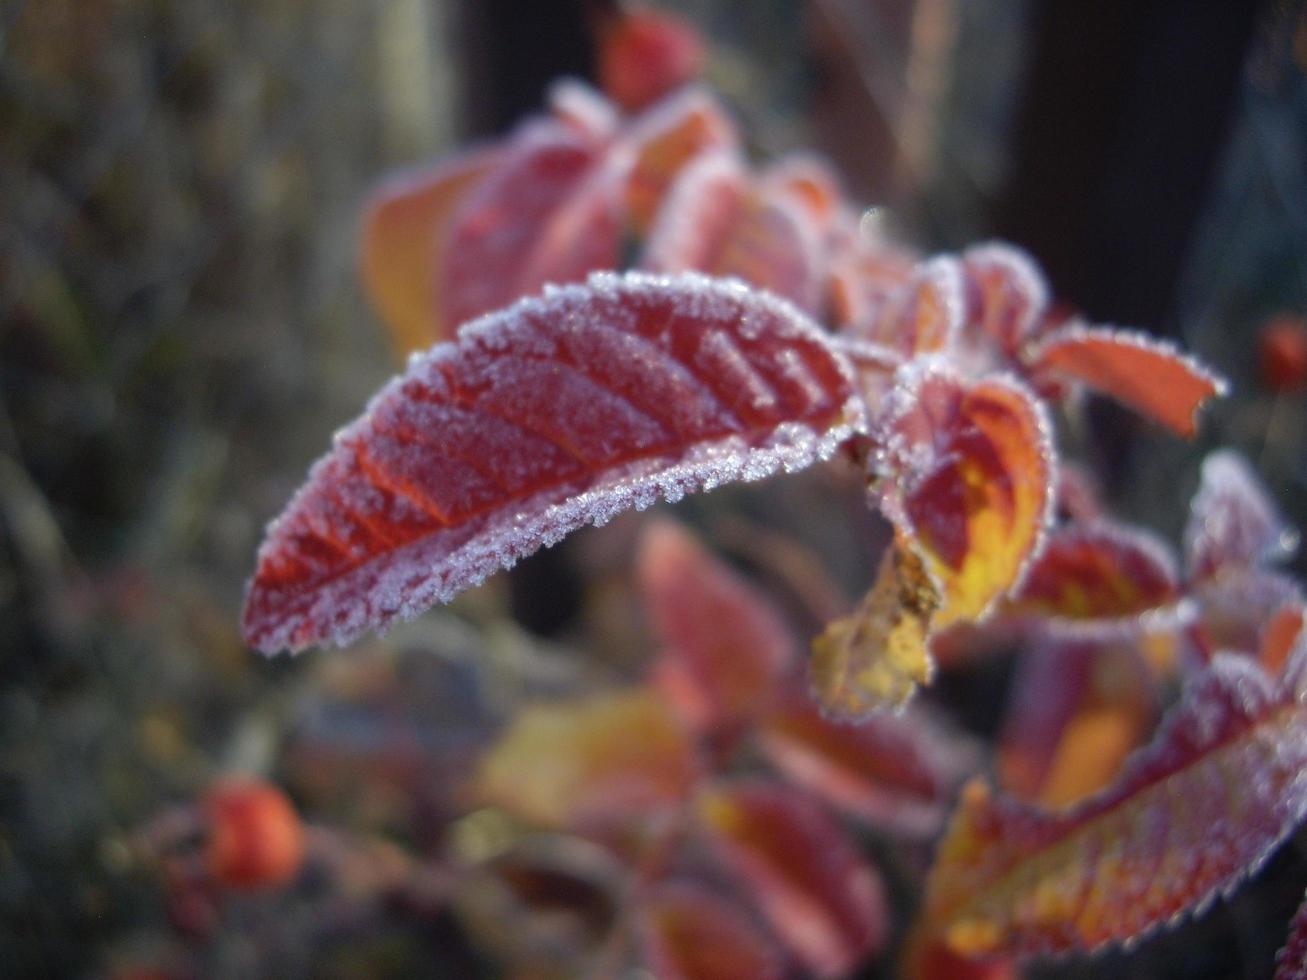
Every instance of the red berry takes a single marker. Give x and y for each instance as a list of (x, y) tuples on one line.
[(1282, 353), (645, 54), (255, 837)]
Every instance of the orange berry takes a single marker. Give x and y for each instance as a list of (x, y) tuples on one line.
[(255, 837), (1282, 353)]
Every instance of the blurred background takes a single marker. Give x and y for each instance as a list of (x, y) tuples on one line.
[(182, 328)]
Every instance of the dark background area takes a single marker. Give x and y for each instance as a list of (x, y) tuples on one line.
[(181, 329)]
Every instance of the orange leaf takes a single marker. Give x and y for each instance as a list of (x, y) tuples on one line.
[(722, 635), (615, 757), (876, 657), (1191, 816), (1149, 375), (966, 476), (922, 315), (1076, 710), (1098, 571), (796, 864), (664, 139), (404, 228), (690, 933)]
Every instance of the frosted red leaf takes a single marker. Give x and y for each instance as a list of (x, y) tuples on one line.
[(1190, 817), (1006, 295), (773, 244), (1075, 711), (1233, 522), (1291, 960), (798, 867), (404, 232), (698, 214), (560, 411), (1151, 376), (663, 140), (924, 314), (1098, 571), (861, 274), (966, 475), (646, 53), (810, 181), (496, 228), (721, 635), (690, 933), (897, 771), (591, 762)]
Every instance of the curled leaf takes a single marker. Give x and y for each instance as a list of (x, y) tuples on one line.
[(876, 657), (1006, 295), (613, 757), (1233, 522), (805, 876), (966, 475), (722, 636), (404, 234), (924, 314), (557, 412), (1191, 816), (1149, 375), (690, 933)]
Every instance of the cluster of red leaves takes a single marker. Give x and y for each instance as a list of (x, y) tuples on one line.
[(728, 875), (763, 330)]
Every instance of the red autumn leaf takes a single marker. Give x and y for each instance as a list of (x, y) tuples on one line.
[(557, 412), (496, 228), (1190, 817), (698, 214), (645, 53), (1291, 960), (892, 770), (722, 636), (254, 837), (861, 274), (404, 228), (773, 244), (966, 474), (663, 140), (1233, 522), (1076, 710), (1006, 295), (1149, 375), (591, 762), (924, 314), (690, 933), (805, 876), (1098, 571)]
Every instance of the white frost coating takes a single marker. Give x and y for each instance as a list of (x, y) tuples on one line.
[(459, 558), (902, 464), (575, 102), (1233, 520)]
